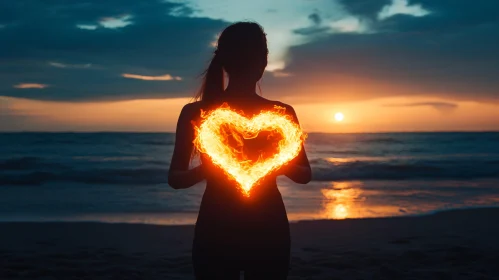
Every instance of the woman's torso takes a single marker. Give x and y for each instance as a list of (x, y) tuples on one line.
[(229, 218)]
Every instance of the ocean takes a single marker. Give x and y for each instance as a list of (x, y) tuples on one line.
[(122, 177)]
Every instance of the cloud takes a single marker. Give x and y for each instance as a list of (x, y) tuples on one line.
[(166, 77), (444, 107), (45, 43), (315, 29), (450, 53), (349, 25), (29, 85), (116, 22), (333, 50), (63, 65), (315, 18), (87, 26), (281, 74), (290, 23), (402, 7), (365, 8), (312, 30)]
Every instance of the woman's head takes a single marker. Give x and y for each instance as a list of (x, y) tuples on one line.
[(242, 48), (241, 52)]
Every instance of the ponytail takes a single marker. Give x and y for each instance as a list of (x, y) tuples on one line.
[(213, 80)]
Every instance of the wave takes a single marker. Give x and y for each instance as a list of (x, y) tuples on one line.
[(157, 143), (324, 170), (332, 139), (386, 140), (25, 163), (124, 176), (19, 163), (337, 152)]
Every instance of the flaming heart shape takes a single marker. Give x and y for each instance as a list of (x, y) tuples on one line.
[(213, 141)]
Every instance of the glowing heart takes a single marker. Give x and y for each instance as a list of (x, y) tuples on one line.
[(212, 141)]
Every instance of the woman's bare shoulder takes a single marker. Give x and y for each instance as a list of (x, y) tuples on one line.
[(288, 107), (190, 110)]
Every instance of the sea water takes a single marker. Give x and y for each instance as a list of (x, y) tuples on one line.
[(122, 177)]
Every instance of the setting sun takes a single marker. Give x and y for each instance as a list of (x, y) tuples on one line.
[(339, 117), (340, 212)]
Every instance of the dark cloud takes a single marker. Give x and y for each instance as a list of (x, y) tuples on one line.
[(444, 107), (315, 18), (315, 28), (311, 30), (453, 53), (365, 8), (157, 43)]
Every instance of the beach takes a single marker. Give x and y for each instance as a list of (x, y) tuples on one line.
[(456, 244)]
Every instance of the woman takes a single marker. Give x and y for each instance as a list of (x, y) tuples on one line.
[(235, 233)]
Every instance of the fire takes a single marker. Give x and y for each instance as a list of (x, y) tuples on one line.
[(212, 140)]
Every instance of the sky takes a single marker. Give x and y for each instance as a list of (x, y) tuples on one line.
[(127, 65)]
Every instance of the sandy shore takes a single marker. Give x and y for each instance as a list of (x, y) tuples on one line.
[(460, 244)]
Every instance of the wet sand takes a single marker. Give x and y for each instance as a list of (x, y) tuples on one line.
[(458, 244)]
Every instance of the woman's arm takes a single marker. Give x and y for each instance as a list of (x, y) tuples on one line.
[(179, 174), (298, 169)]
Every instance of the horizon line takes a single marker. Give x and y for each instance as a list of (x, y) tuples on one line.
[(310, 132)]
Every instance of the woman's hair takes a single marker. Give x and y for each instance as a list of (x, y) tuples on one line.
[(241, 51)]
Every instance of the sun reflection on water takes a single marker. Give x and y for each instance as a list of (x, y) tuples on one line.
[(340, 200), (349, 200)]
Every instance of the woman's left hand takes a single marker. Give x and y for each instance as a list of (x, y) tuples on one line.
[(298, 173), (283, 170)]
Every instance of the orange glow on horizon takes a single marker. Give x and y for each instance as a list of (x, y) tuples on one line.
[(213, 141), (160, 115), (147, 115)]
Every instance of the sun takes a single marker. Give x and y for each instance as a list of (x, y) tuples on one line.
[(340, 211), (339, 116)]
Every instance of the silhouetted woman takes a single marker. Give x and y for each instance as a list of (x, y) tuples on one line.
[(236, 233)]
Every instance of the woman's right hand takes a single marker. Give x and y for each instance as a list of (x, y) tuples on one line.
[(211, 171)]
